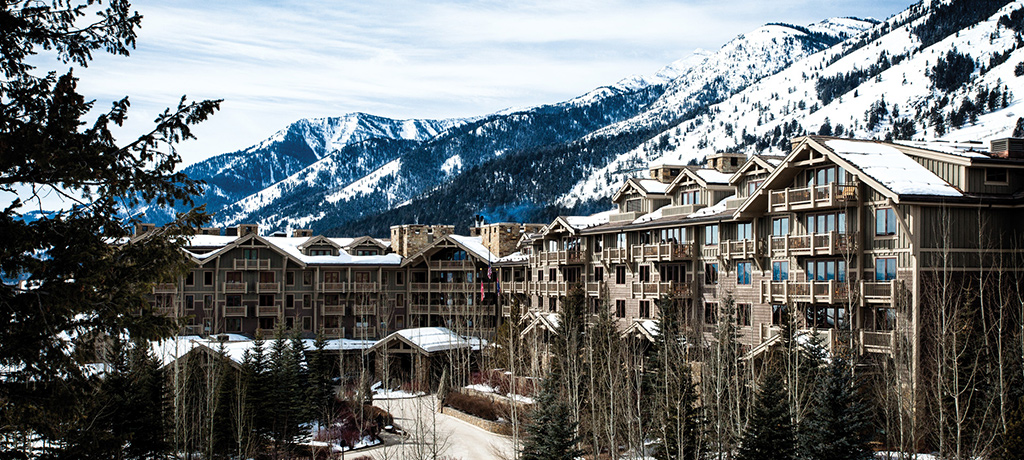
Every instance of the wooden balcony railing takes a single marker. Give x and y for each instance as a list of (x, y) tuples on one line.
[(740, 249), (241, 310), (236, 288), (364, 332), (165, 288), (333, 309), (877, 291), (364, 309), (252, 264), (877, 342), (805, 291), (824, 196), (332, 332), (615, 255), (662, 252), (656, 290), (340, 286), (268, 288), (815, 244), (452, 265), (365, 287), (710, 251), (594, 288), (268, 310)]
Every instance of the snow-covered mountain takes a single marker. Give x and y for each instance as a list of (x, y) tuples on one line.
[(946, 69)]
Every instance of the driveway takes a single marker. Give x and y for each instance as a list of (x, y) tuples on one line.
[(431, 434)]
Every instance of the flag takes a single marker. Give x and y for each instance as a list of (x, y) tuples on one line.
[(490, 273), (481, 290), (497, 286)]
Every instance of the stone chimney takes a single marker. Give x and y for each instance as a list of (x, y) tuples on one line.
[(409, 239), (302, 233), (726, 162), (243, 229)]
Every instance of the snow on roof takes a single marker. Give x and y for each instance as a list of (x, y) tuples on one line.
[(713, 176), (650, 325), (581, 222), (649, 216), (235, 346), (652, 186), (517, 256), (291, 247), (963, 149), (711, 210), (475, 245), (432, 339), (891, 168)]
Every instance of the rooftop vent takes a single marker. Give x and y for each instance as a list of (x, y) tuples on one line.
[(1010, 147)]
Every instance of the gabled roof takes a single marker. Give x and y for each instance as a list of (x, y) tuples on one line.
[(428, 340), (646, 328), (573, 224), (704, 177), (245, 239), (646, 187), (473, 245), (366, 240), (318, 239), (755, 161), (541, 321)]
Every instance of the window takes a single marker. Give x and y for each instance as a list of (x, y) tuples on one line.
[(320, 252), (552, 274), (780, 226), (596, 304), (208, 301), (307, 301), (289, 323), (674, 273), (620, 240), (571, 274), (825, 223), (743, 314), (885, 221), (620, 274), (711, 273), (307, 278), (307, 323), (710, 312), (645, 273), (825, 176), (289, 301), (753, 185), (620, 308), (189, 302), (267, 277), (673, 235), (778, 314), (885, 268), (743, 272), (711, 234), (645, 308), (207, 278), (552, 304), (233, 300), (233, 324), (400, 278), (598, 274), (289, 278), (190, 279), (780, 270), (268, 324), (995, 176), (540, 275), (234, 277), (266, 300), (690, 197), (745, 231), (885, 319), (633, 205), (366, 252), (826, 270), (250, 254)]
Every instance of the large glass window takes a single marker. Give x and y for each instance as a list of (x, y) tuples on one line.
[(743, 272), (620, 240), (743, 314), (620, 274), (711, 234), (885, 268), (780, 270), (780, 226), (745, 231), (885, 221), (825, 223), (826, 270), (711, 273), (778, 314)]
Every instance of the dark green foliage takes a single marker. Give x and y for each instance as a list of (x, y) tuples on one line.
[(256, 380), (1012, 445), (551, 433), (1018, 129), (949, 18), (83, 287), (831, 88), (321, 391), (769, 434), (903, 129), (674, 395), (951, 71), (838, 427)]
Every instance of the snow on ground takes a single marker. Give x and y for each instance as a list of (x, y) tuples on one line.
[(367, 184)]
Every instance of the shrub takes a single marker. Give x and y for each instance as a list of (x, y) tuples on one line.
[(473, 405)]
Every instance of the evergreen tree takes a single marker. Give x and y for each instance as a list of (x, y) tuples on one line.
[(551, 433), (83, 286), (321, 392), (676, 414), (838, 426), (769, 434), (255, 380)]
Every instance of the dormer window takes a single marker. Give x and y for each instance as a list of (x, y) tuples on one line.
[(320, 252), (633, 205), (753, 185), (691, 197)]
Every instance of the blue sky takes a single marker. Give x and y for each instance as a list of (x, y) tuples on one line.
[(275, 62)]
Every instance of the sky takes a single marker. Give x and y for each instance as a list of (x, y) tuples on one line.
[(274, 62)]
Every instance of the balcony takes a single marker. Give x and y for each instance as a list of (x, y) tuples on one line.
[(815, 244), (268, 310), (805, 291), (268, 288), (877, 291), (238, 310), (332, 332), (594, 288), (663, 252), (165, 288), (365, 287), (740, 249), (656, 290), (452, 265), (252, 264), (424, 309), (333, 286), (709, 251), (364, 309), (880, 342), (364, 332), (236, 288), (820, 197), (615, 255), (517, 287), (333, 310), (552, 287)]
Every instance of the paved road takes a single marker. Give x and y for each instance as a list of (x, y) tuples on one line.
[(427, 428)]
